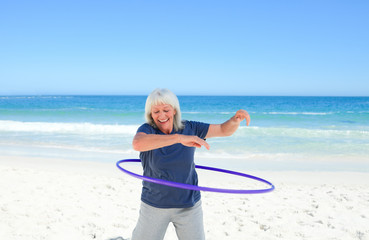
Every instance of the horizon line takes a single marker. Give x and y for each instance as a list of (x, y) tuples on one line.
[(183, 95)]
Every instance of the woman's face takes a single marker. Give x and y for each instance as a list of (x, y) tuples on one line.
[(163, 116)]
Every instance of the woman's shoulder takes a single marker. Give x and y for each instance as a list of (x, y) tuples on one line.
[(145, 125), (146, 128), (199, 129), (194, 125)]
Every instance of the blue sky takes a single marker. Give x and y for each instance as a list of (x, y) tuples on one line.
[(191, 47)]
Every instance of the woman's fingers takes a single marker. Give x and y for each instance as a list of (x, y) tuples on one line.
[(205, 144), (198, 142)]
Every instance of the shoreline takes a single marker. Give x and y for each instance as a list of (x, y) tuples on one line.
[(67, 199)]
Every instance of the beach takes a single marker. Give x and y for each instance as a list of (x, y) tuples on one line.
[(59, 179), (67, 199)]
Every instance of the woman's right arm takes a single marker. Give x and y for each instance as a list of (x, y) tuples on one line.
[(144, 142)]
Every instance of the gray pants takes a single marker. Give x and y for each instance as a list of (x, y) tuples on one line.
[(153, 222)]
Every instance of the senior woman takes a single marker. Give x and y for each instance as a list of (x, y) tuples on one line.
[(167, 146)]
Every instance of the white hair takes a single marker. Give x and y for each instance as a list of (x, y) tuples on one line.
[(163, 96)]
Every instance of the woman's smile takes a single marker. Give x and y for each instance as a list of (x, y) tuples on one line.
[(163, 121)]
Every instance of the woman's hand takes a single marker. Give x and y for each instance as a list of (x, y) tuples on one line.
[(241, 115), (192, 141)]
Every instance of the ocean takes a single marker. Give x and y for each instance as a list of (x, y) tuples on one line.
[(285, 133)]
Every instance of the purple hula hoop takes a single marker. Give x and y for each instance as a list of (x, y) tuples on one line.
[(199, 188)]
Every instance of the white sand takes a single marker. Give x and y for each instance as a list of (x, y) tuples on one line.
[(61, 199)]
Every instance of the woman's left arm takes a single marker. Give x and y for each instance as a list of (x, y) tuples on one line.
[(229, 127)]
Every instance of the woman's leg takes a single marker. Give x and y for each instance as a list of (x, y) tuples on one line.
[(152, 223), (189, 223)]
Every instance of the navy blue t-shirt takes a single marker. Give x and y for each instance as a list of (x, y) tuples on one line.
[(173, 163)]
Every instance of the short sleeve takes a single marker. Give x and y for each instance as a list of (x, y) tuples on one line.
[(200, 128)]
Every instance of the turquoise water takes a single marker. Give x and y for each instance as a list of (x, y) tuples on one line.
[(286, 133)]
